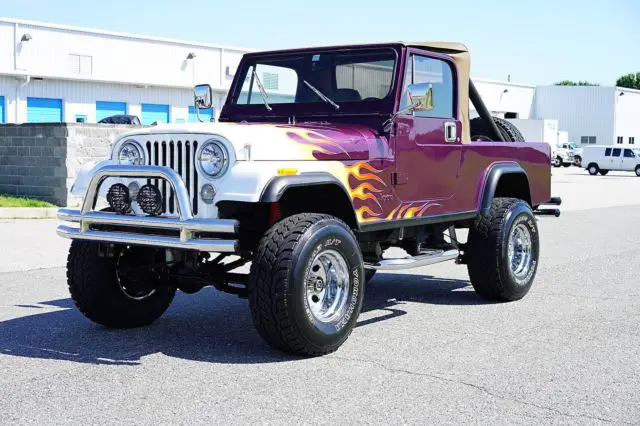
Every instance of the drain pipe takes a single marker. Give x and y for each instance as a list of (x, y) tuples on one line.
[(26, 81)]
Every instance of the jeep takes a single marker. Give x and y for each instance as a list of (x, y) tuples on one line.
[(322, 159)]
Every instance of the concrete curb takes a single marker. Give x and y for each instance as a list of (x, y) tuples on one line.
[(28, 212)]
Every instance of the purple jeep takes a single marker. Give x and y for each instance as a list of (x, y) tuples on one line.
[(321, 160)]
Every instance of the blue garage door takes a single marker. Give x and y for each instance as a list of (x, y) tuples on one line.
[(44, 110), (2, 118), (205, 114), (107, 109), (154, 112)]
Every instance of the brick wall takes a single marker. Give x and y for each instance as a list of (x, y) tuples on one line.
[(41, 160)]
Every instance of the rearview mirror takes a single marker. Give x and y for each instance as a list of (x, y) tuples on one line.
[(203, 95)]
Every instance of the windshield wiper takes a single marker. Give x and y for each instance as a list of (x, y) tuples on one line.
[(263, 93), (321, 95)]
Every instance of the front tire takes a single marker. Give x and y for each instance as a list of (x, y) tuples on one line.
[(306, 284), (503, 250), (557, 162), (104, 296), (638, 171)]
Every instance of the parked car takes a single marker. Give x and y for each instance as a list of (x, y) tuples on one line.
[(575, 150), (601, 159), (121, 119), (562, 156), (372, 149)]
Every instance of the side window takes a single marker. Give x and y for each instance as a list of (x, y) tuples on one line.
[(628, 153), (429, 80), (616, 152), (607, 152)]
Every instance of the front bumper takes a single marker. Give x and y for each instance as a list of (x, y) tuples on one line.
[(185, 232)]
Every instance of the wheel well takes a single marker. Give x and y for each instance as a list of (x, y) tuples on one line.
[(326, 198), (515, 185)]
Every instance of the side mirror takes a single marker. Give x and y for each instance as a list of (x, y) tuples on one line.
[(203, 96), (420, 95)]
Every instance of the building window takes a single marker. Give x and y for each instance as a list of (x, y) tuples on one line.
[(632, 140), (81, 118), (620, 138), (588, 140), (270, 80), (79, 64)]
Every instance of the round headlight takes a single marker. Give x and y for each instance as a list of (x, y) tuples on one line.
[(213, 158), (130, 153)]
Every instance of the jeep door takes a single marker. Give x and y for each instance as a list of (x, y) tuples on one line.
[(427, 140)]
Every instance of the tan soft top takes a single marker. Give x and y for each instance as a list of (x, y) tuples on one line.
[(461, 57)]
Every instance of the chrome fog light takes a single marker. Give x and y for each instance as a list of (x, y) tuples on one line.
[(207, 193), (150, 200), (118, 198)]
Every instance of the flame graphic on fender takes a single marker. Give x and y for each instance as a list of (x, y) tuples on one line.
[(364, 183), (316, 141), (411, 209)]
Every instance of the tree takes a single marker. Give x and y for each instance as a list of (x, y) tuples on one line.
[(630, 81), (573, 83)]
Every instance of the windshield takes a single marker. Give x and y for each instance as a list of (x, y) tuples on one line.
[(324, 79)]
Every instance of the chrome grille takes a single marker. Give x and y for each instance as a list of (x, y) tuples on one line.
[(180, 156)]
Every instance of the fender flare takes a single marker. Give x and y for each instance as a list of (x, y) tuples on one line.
[(276, 187), (493, 178)]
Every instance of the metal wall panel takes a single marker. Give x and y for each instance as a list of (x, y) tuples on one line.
[(580, 110)]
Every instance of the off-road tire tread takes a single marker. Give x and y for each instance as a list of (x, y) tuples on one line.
[(507, 129), (484, 248), (88, 283), (268, 284)]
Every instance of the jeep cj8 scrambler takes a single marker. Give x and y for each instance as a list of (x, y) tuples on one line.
[(320, 161)]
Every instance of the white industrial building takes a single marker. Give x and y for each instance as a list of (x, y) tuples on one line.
[(60, 73)]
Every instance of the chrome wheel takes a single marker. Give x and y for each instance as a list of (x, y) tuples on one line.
[(520, 251), (327, 286)]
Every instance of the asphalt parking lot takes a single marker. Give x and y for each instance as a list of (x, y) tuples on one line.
[(426, 350)]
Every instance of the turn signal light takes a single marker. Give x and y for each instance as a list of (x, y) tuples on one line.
[(287, 172)]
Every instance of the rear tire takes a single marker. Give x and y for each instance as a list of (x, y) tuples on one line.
[(593, 169), (503, 250), (638, 171), (287, 291), (99, 292)]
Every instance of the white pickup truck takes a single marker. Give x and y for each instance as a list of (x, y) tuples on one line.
[(562, 155)]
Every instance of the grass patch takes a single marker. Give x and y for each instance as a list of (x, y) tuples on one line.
[(8, 201)]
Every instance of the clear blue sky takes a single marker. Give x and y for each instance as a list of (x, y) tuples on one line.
[(537, 42)]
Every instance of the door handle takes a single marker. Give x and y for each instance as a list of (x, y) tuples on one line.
[(450, 132)]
